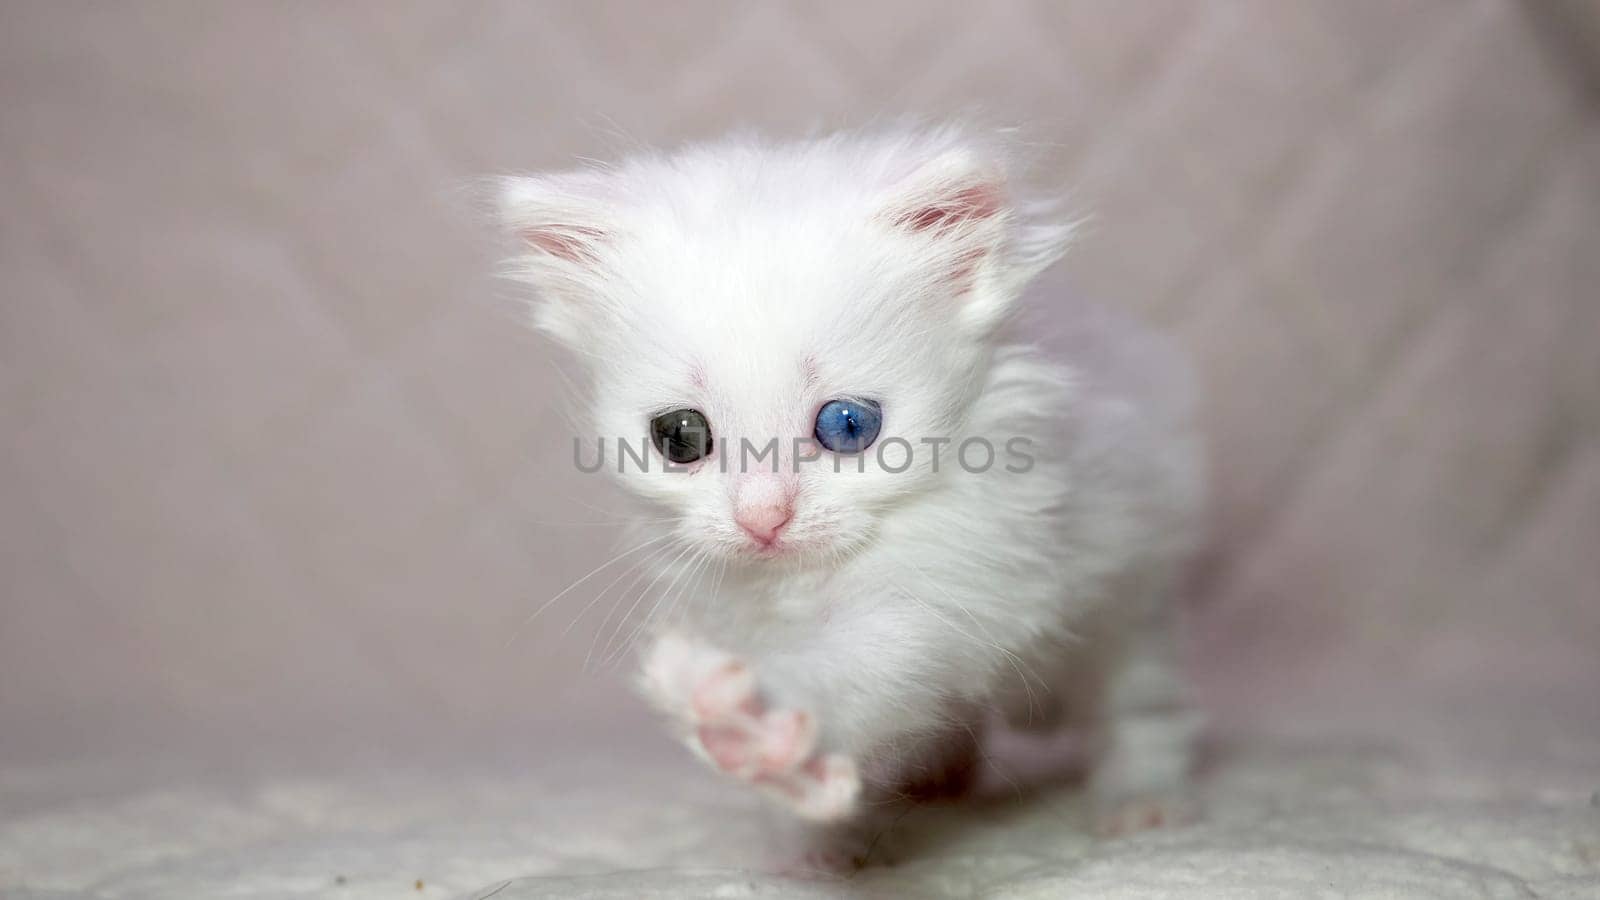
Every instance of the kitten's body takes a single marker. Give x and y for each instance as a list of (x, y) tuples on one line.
[(857, 654)]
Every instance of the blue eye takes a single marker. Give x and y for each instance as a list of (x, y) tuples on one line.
[(848, 426)]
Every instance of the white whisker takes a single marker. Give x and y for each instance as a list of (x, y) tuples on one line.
[(639, 566), (693, 567), (593, 572), (625, 616)]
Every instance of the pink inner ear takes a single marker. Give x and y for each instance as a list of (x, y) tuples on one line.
[(573, 243), (980, 201)]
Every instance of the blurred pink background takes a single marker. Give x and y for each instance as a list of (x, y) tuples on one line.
[(279, 465)]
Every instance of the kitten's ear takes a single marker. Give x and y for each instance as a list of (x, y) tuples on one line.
[(976, 239), (564, 228), (955, 192)]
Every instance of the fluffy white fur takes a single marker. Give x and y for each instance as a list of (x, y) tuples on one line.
[(754, 281)]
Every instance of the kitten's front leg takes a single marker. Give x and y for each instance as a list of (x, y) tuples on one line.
[(715, 702)]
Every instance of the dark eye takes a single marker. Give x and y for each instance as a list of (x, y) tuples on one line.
[(682, 435), (848, 426)]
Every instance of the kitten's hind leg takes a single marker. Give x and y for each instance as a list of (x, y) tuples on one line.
[(1144, 734)]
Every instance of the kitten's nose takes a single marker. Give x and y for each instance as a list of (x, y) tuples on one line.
[(763, 506), (764, 522)]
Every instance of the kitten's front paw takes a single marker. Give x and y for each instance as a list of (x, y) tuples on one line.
[(730, 725), (772, 748)]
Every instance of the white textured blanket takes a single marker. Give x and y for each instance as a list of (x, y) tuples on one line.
[(1469, 812)]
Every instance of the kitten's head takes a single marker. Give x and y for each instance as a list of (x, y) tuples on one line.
[(837, 297)]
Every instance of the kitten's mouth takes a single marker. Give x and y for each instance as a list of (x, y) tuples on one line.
[(776, 548), (791, 553), (779, 549)]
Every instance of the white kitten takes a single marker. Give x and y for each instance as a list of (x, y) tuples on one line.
[(835, 629)]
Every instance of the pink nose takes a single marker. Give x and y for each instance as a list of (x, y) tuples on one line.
[(763, 523)]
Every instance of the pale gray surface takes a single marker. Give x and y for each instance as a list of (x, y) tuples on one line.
[(1286, 817), (277, 465)]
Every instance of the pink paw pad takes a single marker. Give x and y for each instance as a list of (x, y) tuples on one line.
[(730, 689), (752, 744), (774, 749)]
